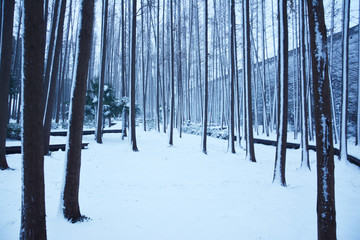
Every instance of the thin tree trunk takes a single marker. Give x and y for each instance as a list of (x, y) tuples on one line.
[(205, 117), (345, 73), (50, 99), (250, 152), (133, 78), (172, 110), (99, 125), (303, 91), (123, 69), (33, 223), (69, 197), (280, 157), (232, 76)]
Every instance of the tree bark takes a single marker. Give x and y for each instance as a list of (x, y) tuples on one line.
[(326, 219), (5, 68), (33, 223), (280, 157), (345, 79), (232, 76), (50, 99), (250, 152), (205, 117), (99, 122), (70, 202), (133, 79), (172, 110)]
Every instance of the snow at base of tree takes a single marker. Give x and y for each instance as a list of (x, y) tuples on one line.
[(180, 193)]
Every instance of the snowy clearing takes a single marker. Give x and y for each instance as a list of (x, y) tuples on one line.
[(164, 192)]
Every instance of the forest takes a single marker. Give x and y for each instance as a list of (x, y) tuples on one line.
[(158, 101)]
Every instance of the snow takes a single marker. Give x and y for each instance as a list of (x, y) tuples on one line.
[(178, 192)]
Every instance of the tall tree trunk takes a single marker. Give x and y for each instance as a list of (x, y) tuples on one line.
[(133, 79), (303, 90), (70, 193), (326, 219), (250, 152), (50, 99), (123, 68), (33, 223), (158, 66), (172, 110), (50, 52), (280, 157), (164, 106), (99, 122), (345, 77), (232, 76), (205, 117), (265, 118), (5, 68)]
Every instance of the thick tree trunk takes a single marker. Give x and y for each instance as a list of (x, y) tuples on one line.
[(70, 201), (5, 68), (33, 223), (326, 219), (280, 157), (132, 80)]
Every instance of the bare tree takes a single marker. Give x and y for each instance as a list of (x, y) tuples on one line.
[(345, 79), (250, 152), (33, 223), (132, 80), (206, 94), (70, 201), (280, 157), (326, 219), (303, 90), (5, 68), (172, 110), (99, 123), (232, 76)]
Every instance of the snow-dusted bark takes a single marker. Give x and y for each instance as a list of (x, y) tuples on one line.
[(250, 153), (70, 193), (324, 141), (345, 77), (33, 223), (280, 157), (303, 90), (5, 65)]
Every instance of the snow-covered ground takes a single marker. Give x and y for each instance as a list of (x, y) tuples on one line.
[(171, 193)]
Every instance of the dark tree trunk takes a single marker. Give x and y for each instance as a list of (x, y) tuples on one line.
[(70, 201), (133, 79), (33, 223), (326, 218), (205, 117), (158, 66), (232, 78), (172, 110), (50, 100), (99, 125), (280, 157), (5, 68), (250, 152)]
